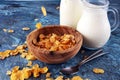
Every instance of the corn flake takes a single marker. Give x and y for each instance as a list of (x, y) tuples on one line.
[(10, 31), (27, 72), (44, 11), (36, 70), (48, 75), (5, 30), (4, 54), (38, 25), (54, 42), (29, 63), (43, 70), (9, 73), (14, 52), (59, 78), (15, 69), (17, 76), (76, 78), (23, 55), (98, 71), (30, 56), (49, 79), (26, 28)]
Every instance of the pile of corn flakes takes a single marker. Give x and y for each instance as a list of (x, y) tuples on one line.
[(54, 42), (21, 49), (25, 73), (62, 78), (36, 71)]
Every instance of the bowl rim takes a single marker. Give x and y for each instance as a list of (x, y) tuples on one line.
[(60, 52)]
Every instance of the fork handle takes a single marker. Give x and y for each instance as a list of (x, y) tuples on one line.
[(91, 57), (100, 54)]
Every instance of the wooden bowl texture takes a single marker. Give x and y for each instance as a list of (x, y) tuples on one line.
[(54, 57)]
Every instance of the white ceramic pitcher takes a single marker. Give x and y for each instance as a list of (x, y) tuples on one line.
[(70, 12), (94, 24)]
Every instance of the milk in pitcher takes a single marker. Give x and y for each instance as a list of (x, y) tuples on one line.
[(94, 24), (70, 12)]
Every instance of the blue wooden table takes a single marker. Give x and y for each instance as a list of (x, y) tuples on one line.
[(16, 15)]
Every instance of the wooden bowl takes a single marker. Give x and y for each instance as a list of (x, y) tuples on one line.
[(54, 57)]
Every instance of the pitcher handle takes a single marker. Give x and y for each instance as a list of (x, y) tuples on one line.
[(116, 17)]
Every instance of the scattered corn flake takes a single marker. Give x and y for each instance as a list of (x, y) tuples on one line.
[(59, 78), (21, 49), (49, 79), (36, 70), (76, 78), (23, 55), (17, 76), (38, 25), (48, 75), (43, 70), (35, 66), (5, 30), (58, 7), (10, 31), (43, 9), (27, 72), (14, 52), (8, 73), (4, 54), (98, 70), (29, 63), (30, 56), (15, 69), (26, 28)]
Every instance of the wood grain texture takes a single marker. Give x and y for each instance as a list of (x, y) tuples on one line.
[(54, 57)]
